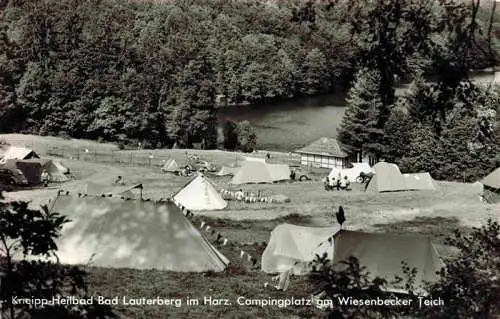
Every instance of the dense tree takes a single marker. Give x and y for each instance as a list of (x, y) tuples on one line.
[(247, 139), (359, 128)]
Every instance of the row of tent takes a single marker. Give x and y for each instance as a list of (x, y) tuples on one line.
[(32, 169), (251, 172), (32, 166), (293, 248), (111, 232)]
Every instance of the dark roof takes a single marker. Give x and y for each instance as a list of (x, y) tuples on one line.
[(324, 146)]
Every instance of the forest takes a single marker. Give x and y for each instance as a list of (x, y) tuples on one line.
[(156, 72)]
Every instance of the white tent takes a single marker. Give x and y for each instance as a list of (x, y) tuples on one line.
[(20, 153), (351, 173), (114, 233), (419, 181), (293, 247), (387, 178), (170, 166), (199, 194), (259, 172)]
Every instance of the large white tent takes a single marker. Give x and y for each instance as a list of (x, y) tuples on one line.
[(114, 233), (259, 172), (419, 181), (199, 194), (293, 247)]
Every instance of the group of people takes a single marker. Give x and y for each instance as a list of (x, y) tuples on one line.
[(339, 183)]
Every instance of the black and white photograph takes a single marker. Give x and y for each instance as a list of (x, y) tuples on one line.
[(281, 159)]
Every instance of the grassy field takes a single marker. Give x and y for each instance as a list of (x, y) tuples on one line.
[(247, 226)]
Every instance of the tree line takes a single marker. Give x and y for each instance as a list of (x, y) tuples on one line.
[(154, 72), (445, 124)]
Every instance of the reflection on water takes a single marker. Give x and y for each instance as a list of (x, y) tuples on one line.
[(294, 123)]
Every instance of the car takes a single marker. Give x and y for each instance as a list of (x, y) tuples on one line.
[(301, 174), (10, 178), (201, 166)]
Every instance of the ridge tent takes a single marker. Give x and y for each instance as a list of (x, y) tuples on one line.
[(19, 153), (387, 178), (126, 191), (419, 181), (292, 247), (199, 194), (114, 233), (170, 166), (383, 254), (224, 171), (491, 187), (255, 159), (259, 172), (351, 173)]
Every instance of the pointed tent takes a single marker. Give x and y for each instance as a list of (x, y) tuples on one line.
[(292, 247), (110, 232), (491, 186), (419, 181), (387, 178), (19, 153), (383, 254), (199, 194), (170, 166), (259, 172)]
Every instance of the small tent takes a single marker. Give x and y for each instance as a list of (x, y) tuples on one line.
[(110, 232), (293, 247), (383, 254), (419, 181), (491, 186), (170, 166), (126, 191), (351, 173), (199, 194), (387, 178), (224, 171), (259, 172), (255, 159), (19, 153)]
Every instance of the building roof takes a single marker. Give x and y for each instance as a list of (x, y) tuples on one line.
[(325, 146)]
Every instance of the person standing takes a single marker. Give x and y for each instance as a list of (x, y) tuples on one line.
[(45, 178)]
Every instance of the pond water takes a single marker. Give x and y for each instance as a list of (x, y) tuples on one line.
[(291, 124)]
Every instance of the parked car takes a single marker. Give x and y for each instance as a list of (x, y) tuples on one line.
[(12, 178), (301, 174), (201, 166)]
